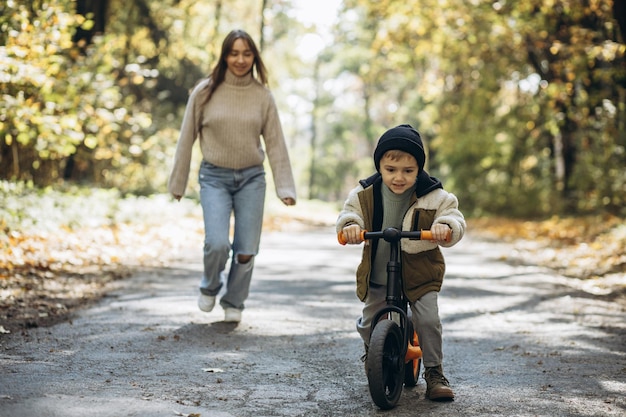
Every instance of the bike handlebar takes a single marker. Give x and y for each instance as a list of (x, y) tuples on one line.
[(418, 235)]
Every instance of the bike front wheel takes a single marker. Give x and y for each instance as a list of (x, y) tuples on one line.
[(385, 364)]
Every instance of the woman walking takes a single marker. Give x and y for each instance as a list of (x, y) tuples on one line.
[(229, 112)]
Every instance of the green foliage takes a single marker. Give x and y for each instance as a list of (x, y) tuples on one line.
[(63, 105), (105, 113), (521, 103), (35, 122)]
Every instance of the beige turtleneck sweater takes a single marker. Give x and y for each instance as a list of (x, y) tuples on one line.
[(230, 127)]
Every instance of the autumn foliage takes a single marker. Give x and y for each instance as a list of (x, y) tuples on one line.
[(521, 103)]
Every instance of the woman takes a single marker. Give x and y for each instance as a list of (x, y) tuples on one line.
[(230, 111)]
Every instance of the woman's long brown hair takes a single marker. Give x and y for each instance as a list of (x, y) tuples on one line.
[(219, 71)]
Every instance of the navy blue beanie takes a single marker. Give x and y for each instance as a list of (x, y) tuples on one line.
[(403, 138)]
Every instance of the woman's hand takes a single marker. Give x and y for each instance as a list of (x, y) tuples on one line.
[(288, 201)]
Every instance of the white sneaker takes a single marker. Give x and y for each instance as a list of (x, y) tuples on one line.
[(206, 302), (232, 315)]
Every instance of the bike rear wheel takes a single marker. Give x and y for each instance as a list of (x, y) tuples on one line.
[(385, 364)]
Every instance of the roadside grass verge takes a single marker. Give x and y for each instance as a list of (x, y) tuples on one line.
[(62, 249)]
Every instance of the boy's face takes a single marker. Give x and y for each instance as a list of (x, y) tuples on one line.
[(400, 173)]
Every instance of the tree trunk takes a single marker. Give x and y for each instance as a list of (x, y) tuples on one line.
[(619, 13), (262, 29), (95, 8)]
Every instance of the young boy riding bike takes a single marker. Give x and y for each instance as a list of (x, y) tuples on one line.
[(402, 195)]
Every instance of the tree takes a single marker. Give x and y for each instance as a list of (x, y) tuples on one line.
[(519, 102), (100, 95)]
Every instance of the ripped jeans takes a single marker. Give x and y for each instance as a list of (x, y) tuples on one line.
[(223, 192)]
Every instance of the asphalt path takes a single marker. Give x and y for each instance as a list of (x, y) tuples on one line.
[(518, 341)]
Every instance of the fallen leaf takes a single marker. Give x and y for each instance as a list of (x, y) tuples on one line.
[(178, 413), (213, 370)]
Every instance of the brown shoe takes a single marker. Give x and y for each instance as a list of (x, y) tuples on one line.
[(437, 386)]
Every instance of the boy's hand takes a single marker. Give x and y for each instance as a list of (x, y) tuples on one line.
[(440, 232), (352, 234)]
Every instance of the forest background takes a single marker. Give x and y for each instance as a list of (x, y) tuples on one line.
[(522, 106)]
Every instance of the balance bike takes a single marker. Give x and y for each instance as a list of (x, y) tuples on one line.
[(394, 356)]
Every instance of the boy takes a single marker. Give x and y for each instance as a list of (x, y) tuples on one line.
[(402, 195)]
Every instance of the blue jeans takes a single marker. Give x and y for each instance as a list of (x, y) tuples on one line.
[(223, 192)]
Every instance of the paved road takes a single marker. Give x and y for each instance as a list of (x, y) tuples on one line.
[(519, 341)]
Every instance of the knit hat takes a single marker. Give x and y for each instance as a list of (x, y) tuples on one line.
[(403, 138)]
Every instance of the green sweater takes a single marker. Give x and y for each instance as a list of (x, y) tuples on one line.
[(394, 207), (230, 127)]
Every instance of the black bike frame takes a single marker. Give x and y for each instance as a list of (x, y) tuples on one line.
[(396, 302)]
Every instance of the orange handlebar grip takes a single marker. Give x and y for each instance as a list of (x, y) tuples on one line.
[(342, 239), (428, 235)]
